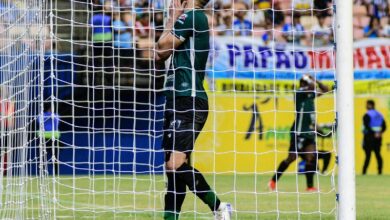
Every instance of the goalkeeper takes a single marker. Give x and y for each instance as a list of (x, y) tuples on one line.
[(303, 131), (186, 38)]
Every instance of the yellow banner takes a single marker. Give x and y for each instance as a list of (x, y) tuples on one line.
[(250, 133), (283, 86)]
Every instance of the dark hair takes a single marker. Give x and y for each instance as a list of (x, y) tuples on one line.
[(371, 102), (372, 21), (322, 15), (203, 3)]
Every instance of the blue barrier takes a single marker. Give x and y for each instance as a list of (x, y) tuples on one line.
[(121, 134)]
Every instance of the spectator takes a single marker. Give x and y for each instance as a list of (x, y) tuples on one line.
[(158, 4), (294, 32), (322, 34), (123, 38), (268, 36), (242, 26), (263, 4), (226, 27), (303, 4), (373, 28), (51, 134), (9, 11), (386, 29), (321, 5), (374, 127), (379, 8), (257, 16), (102, 38), (276, 15), (143, 25), (158, 24)]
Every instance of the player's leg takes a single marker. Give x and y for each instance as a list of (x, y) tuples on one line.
[(195, 181), (3, 154), (193, 119), (179, 138), (377, 151), (367, 151), (310, 156), (325, 156), (292, 156), (176, 188)]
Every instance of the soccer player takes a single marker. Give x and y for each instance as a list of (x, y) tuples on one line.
[(186, 39), (7, 123), (303, 132), (374, 127)]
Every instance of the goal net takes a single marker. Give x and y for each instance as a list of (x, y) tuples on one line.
[(84, 137), (23, 186)]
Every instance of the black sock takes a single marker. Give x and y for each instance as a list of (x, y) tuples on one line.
[(282, 167), (310, 171), (176, 192), (198, 185), (326, 157)]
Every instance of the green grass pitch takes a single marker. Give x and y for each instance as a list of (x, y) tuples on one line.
[(141, 197)]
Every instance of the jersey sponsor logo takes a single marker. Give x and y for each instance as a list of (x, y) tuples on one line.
[(185, 84), (182, 18)]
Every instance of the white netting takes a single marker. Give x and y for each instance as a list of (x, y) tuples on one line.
[(22, 25), (98, 82)]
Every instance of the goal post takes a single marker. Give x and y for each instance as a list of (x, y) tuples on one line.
[(345, 110)]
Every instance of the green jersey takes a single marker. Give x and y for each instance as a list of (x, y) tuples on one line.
[(188, 64), (304, 124)]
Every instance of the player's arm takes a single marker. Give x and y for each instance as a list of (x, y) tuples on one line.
[(323, 88), (384, 126), (169, 40), (366, 123)]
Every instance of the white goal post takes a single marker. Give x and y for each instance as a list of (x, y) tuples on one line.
[(345, 110)]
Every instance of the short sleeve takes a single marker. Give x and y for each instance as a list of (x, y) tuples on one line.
[(302, 95), (366, 29), (184, 27)]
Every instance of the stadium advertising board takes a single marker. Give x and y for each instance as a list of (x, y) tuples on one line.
[(249, 132), (248, 66)]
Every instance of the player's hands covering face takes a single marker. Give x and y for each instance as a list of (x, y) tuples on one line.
[(176, 9)]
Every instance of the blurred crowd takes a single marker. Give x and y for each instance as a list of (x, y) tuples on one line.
[(302, 22), (19, 25), (371, 18)]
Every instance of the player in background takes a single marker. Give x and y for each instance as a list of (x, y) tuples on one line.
[(51, 134), (374, 126), (186, 40), (7, 123), (303, 131)]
